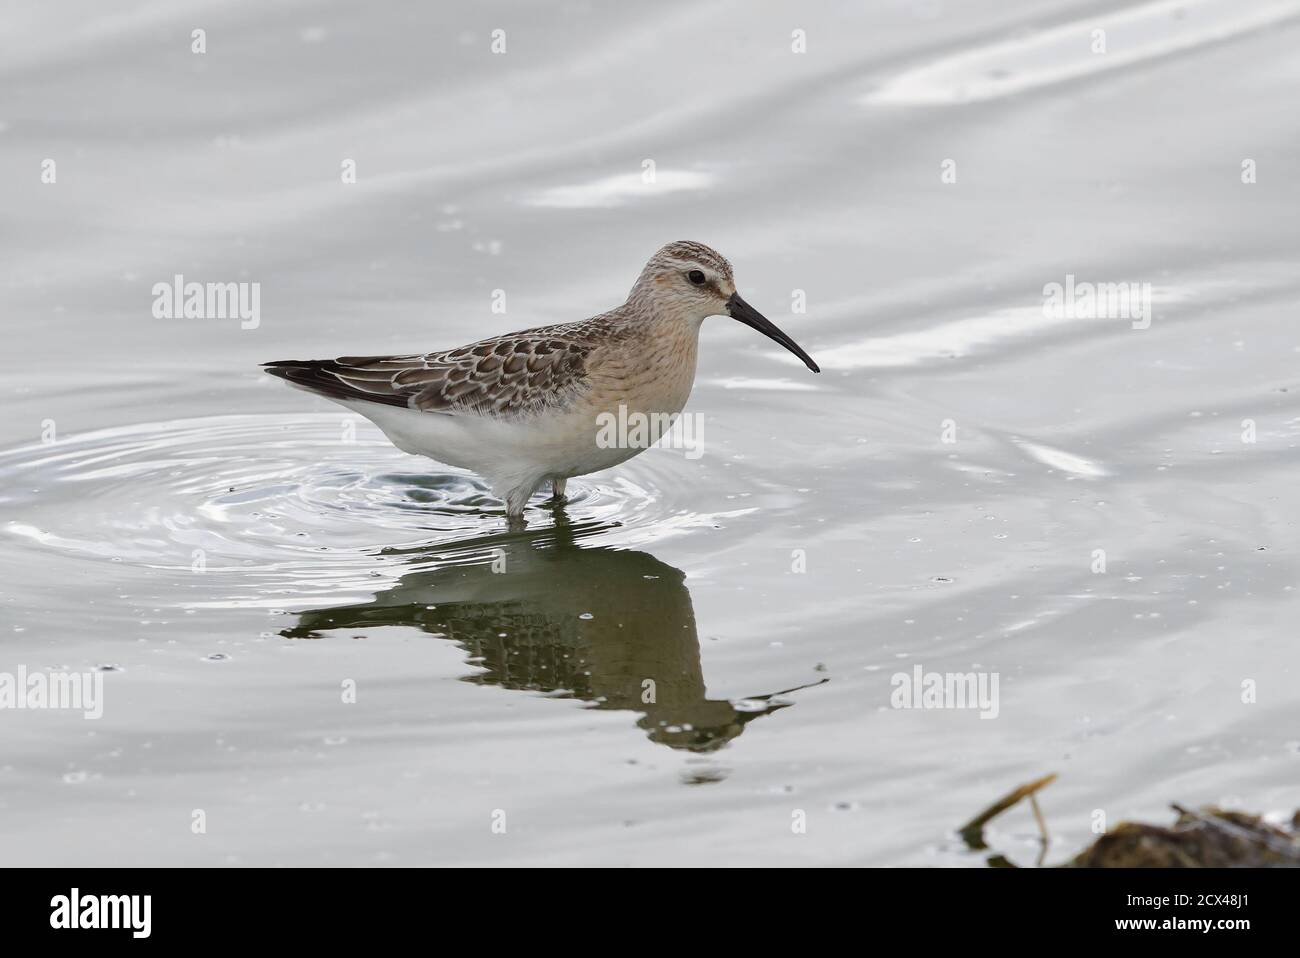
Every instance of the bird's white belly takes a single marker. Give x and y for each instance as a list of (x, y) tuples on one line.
[(503, 451)]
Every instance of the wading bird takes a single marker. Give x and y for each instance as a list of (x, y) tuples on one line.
[(526, 408)]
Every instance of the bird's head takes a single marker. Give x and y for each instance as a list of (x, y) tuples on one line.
[(691, 281)]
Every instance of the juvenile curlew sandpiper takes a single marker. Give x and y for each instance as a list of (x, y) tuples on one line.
[(524, 408)]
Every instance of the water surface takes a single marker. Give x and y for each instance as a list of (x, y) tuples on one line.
[(341, 655)]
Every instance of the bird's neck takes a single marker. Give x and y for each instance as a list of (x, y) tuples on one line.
[(656, 364), (672, 346)]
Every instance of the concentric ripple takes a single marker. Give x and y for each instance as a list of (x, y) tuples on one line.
[(318, 498)]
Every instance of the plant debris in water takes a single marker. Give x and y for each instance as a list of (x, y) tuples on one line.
[(1209, 837)]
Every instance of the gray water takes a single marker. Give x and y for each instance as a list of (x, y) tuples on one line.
[(237, 555)]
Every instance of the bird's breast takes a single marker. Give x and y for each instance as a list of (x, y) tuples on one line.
[(654, 375)]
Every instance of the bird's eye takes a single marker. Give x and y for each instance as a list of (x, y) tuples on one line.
[(696, 277)]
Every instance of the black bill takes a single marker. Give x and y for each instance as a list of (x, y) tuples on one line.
[(741, 310)]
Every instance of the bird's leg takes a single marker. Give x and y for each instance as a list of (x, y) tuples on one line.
[(516, 499), (557, 489)]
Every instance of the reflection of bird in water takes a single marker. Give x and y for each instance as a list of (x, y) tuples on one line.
[(613, 628)]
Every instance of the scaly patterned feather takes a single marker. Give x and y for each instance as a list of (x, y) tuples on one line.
[(508, 376)]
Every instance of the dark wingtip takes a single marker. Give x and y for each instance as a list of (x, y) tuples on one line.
[(281, 368), (299, 372), (319, 376)]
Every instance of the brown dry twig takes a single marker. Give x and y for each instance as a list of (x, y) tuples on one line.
[(973, 831)]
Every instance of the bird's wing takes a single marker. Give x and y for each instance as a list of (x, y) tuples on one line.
[(507, 376)]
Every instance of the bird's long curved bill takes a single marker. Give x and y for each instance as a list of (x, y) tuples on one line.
[(742, 311)]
